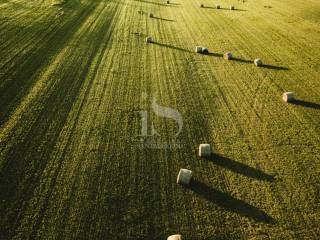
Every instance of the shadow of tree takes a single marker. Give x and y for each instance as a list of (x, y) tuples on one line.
[(305, 104), (240, 168), (229, 203)]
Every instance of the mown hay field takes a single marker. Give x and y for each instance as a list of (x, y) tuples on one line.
[(76, 79)]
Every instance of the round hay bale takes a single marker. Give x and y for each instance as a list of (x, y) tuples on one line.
[(232, 7), (198, 49), (151, 15), (149, 40), (227, 56), (202, 5), (168, 2), (184, 176), (258, 62), (218, 6), (205, 150), (205, 50), (175, 237), (288, 96)]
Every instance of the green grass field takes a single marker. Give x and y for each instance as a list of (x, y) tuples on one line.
[(74, 76)]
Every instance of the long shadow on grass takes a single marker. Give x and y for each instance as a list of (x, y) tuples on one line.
[(214, 54), (240, 168), (241, 60), (209, 7), (274, 67), (248, 61), (175, 4), (171, 46), (262, 66), (164, 19), (18, 79), (306, 104), (236, 9), (158, 4), (25, 163), (229, 203), (232, 59)]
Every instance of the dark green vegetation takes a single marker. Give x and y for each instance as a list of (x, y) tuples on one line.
[(73, 76)]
